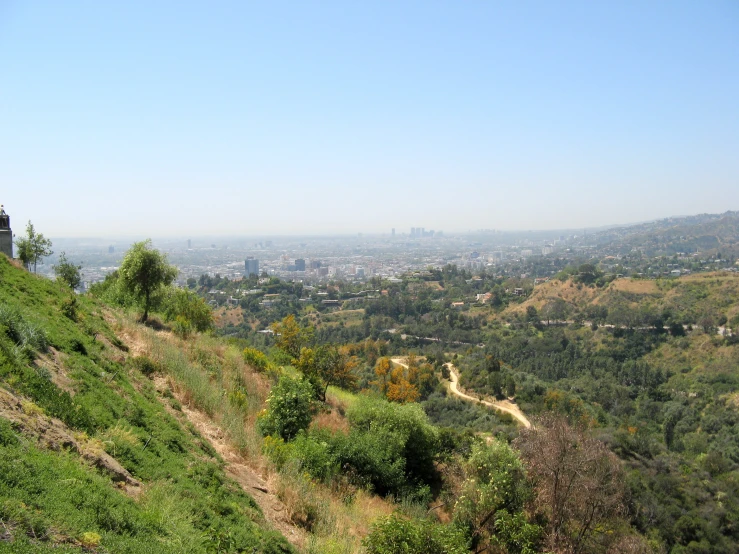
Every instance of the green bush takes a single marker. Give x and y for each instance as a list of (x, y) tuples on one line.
[(495, 487), (187, 309), (25, 335), (256, 359), (181, 327), (405, 427), (290, 408), (396, 535), (314, 454)]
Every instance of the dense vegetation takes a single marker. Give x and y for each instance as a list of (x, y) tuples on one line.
[(631, 384)]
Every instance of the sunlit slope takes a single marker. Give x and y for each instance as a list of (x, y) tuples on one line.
[(90, 457)]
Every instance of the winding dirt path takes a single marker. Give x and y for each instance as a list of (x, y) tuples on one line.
[(502, 405)]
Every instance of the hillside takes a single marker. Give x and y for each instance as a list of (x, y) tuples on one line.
[(706, 299), (95, 453)]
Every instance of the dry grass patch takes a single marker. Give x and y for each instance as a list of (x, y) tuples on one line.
[(635, 286)]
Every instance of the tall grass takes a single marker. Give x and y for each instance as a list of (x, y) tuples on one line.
[(212, 377)]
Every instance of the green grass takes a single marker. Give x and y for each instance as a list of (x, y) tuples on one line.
[(51, 499)]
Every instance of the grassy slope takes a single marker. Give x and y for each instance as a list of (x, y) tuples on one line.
[(177, 497), (210, 376)]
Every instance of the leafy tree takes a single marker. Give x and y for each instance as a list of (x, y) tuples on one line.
[(492, 497), (67, 272), (383, 369), (33, 247), (144, 272), (191, 309), (290, 408), (291, 337), (403, 386), (327, 365), (390, 445)]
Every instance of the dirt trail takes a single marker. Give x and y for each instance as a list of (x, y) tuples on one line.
[(247, 477), (236, 466), (502, 405)]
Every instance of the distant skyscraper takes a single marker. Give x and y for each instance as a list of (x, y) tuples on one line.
[(251, 266), (393, 233), (6, 234), (300, 264), (111, 249), (189, 244)]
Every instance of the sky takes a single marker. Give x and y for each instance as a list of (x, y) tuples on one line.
[(253, 118)]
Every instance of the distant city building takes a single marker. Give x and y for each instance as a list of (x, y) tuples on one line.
[(189, 244), (393, 232), (251, 266), (359, 271), (6, 234), (315, 264), (111, 249), (526, 253), (547, 250), (300, 264)]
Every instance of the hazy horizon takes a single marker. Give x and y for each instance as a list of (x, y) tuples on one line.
[(324, 119)]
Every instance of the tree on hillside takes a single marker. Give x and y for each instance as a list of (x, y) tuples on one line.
[(290, 337), (578, 484), (32, 247), (67, 272), (143, 272), (491, 499), (327, 365)]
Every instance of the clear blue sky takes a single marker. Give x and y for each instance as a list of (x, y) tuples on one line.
[(183, 118)]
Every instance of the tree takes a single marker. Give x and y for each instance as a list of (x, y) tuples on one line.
[(33, 247), (327, 365), (383, 369), (290, 408), (578, 484), (144, 272), (189, 307), (290, 337), (492, 497), (67, 272)]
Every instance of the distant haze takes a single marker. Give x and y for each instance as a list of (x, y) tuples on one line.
[(257, 118)]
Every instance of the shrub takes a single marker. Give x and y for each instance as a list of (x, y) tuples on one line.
[(146, 365), (396, 535), (181, 327), (255, 358), (404, 426), (314, 454), (290, 408), (187, 308), (25, 335)]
